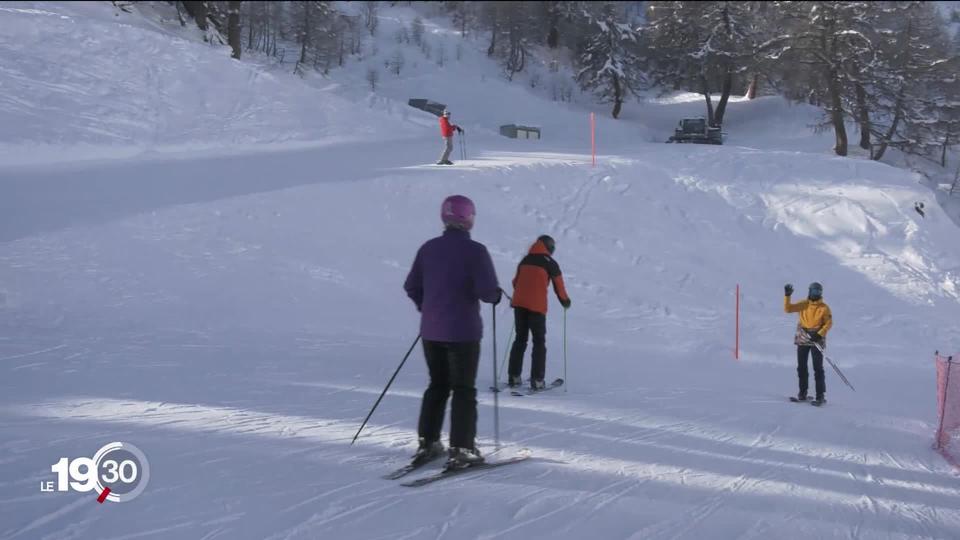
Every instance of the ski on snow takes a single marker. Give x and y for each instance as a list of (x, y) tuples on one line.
[(813, 402), (450, 473), (410, 467), (555, 384)]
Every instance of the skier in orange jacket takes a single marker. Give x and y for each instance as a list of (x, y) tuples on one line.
[(534, 274)]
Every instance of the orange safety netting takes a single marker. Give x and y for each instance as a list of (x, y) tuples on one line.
[(948, 408)]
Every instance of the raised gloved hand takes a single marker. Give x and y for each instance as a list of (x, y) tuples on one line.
[(787, 289), (565, 303)]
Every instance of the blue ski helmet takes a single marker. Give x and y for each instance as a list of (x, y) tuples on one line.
[(548, 242), (815, 292)]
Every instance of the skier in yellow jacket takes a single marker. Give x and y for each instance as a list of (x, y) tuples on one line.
[(815, 322)]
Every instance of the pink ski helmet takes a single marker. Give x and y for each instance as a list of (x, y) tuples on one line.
[(458, 212)]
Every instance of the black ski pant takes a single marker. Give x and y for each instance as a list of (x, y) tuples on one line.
[(802, 353), (453, 368), (529, 322)]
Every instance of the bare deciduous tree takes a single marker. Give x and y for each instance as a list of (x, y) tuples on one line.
[(441, 54), (417, 30), (370, 10), (397, 62), (233, 27), (373, 77)]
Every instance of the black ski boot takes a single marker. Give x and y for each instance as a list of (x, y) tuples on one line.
[(428, 451), (514, 382), (819, 401), (461, 458), (802, 396), (537, 385)]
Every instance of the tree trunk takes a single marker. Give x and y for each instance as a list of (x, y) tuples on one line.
[(836, 113), (724, 97), (197, 10), (493, 40), (863, 114), (889, 135), (943, 152), (250, 30), (305, 37), (303, 57), (617, 96), (553, 34), (179, 14), (706, 95), (752, 90), (233, 27)]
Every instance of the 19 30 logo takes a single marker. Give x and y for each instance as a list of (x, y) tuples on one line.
[(118, 472)]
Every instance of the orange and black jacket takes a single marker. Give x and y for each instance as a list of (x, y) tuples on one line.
[(534, 275)]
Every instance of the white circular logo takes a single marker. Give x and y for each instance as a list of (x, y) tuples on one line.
[(122, 472)]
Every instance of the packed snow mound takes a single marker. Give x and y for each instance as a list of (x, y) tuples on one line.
[(80, 80)]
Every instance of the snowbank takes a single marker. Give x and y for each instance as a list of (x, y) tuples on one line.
[(85, 80)]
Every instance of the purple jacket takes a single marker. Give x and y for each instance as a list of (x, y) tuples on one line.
[(449, 277)]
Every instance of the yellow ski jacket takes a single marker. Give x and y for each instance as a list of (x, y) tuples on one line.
[(814, 314)]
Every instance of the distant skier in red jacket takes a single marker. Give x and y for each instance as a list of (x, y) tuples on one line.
[(446, 131)]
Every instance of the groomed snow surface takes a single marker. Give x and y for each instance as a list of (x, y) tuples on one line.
[(226, 295)]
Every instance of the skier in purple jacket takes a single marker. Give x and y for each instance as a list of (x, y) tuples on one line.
[(450, 276)]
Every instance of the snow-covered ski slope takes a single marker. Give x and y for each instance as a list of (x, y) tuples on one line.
[(234, 310)]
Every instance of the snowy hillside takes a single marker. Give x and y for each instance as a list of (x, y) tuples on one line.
[(75, 88), (234, 314)]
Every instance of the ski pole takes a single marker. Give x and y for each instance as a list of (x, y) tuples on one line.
[(565, 385), (410, 350), (506, 353), (496, 395), (835, 368)]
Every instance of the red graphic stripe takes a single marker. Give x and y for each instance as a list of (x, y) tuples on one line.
[(103, 496)]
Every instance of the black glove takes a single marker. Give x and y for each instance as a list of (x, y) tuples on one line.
[(459, 129), (787, 289), (499, 297), (815, 336), (565, 303)]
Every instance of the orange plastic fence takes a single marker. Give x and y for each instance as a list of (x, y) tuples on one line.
[(948, 408)]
